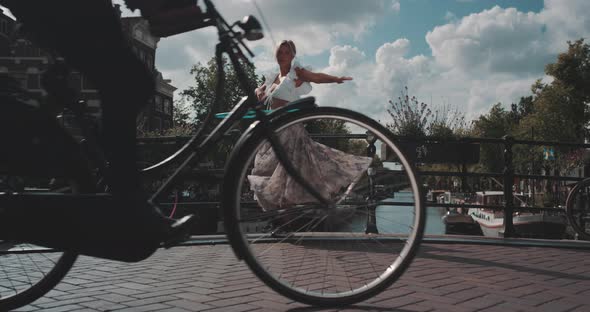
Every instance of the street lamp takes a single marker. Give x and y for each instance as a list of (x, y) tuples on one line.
[(371, 149), (371, 226)]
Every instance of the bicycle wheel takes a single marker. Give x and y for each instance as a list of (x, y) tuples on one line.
[(578, 209), (28, 271), (327, 255)]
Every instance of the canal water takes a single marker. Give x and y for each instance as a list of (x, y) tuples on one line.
[(397, 219)]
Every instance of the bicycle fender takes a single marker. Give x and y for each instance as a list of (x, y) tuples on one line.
[(255, 127), (304, 103)]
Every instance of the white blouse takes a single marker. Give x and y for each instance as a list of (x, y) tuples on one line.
[(286, 89)]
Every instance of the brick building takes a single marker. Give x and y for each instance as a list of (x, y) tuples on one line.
[(24, 61)]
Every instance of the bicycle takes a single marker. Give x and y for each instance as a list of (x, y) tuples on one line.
[(329, 252), (577, 209)]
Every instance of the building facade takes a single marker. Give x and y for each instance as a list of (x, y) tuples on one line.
[(24, 61)]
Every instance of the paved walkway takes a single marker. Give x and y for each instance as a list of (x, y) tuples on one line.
[(443, 277)]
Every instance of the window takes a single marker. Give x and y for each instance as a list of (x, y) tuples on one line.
[(166, 124), (21, 78), (75, 81), (167, 106), (145, 124), (157, 124), (4, 27), (87, 84), (158, 100), (33, 81)]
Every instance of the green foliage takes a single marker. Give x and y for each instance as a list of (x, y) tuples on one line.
[(496, 124), (524, 108), (447, 122), (201, 95), (182, 114), (572, 70), (330, 126), (558, 111), (410, 117), (415, 119)]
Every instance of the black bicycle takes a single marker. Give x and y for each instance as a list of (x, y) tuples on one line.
[(327, 251), (577, 209)]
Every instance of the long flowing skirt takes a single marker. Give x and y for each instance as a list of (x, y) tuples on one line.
[(329, 171)]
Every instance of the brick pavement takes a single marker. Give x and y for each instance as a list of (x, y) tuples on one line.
[(443, 277)]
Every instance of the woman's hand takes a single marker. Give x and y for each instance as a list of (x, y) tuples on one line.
[(342, 79), (298, 82), (261, 93)]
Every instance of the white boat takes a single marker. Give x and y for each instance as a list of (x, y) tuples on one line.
[(526, 224), (456, 220)]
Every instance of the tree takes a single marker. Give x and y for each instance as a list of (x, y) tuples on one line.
[(558, 111), (181, 114), (181, 121), (201, 95), (415, 119), (447, 122), (524, 108), (496, 124), (410, 117), (572, 69)]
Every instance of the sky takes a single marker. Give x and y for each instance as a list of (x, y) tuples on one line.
[(467, 54)]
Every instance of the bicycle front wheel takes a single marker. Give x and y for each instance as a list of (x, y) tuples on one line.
[(335, 254), (578, 209)]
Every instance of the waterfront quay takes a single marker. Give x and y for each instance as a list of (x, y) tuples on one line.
[(450, 273)]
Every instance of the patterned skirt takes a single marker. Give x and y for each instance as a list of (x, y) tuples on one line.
[(329, 171)]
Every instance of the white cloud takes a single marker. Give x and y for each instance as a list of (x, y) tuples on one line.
[(450, 16), (396, 5), (495, 55), (345, 57), (477, 60), (495, 40)]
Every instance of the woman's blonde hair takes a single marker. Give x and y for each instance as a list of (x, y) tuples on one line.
[(288, 43)]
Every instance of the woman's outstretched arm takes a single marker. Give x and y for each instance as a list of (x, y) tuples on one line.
[(309, 76)]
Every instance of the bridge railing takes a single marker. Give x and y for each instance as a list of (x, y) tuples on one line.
[(428, 150)]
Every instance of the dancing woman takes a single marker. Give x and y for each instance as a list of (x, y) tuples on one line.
[(331, 172)]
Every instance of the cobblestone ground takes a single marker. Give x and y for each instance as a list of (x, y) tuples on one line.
[(443, 277)]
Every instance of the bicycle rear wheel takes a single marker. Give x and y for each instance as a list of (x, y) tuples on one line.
[(324, 255), (578, 209)]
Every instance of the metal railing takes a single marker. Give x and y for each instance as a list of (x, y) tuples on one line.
[(507, 175)]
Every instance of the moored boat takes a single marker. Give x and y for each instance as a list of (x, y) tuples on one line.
[(526, 224)]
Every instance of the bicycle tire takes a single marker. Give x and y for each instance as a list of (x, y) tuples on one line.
[(25, 256), (45, 284), (336, 249), (577, 208)]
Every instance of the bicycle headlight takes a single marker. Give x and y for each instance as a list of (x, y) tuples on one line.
[(251, 27)]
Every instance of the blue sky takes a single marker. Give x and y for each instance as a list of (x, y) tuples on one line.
[(420, 16)]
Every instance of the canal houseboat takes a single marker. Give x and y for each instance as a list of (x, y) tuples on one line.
[(543, 224)]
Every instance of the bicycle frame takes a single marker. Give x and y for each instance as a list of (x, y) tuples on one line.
[(230, 42)]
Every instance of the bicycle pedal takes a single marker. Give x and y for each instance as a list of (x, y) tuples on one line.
[(179, 231)]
